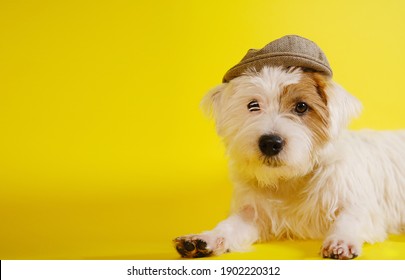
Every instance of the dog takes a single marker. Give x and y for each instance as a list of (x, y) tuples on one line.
[(297, 171)]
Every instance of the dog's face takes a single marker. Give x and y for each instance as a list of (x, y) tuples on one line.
[(276, 122)]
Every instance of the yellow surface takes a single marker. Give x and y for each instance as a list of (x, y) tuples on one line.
[(104, 153)]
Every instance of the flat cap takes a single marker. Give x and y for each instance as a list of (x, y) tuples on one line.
[(290, 50)]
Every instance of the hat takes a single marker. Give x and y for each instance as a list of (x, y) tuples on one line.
[(290, 50)]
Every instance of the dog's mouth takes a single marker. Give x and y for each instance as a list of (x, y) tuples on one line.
[(272, 162)]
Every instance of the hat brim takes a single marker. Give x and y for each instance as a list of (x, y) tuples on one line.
[(276, 59)]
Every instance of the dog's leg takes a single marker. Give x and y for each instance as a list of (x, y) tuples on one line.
[(236, 233), (343, 241)]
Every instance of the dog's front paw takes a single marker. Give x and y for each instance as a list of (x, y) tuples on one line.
[(340, 249), (199, 246)]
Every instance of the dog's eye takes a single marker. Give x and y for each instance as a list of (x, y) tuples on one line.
[(253, 106), (301, 107)]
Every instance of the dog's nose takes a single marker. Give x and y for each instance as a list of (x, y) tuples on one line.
[(271, 145)]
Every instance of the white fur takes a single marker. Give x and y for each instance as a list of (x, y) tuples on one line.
[(347, 192)]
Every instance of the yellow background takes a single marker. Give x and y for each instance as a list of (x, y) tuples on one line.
[(104, 153)]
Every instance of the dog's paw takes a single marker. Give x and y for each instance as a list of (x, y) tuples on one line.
[(199, 246), (340, 249)]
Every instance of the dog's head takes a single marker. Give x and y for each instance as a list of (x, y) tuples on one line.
[(278, 120)]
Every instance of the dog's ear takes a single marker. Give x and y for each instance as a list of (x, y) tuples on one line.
[(343, 107), (210, 104)]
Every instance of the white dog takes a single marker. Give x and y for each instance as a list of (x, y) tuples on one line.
[(298, 173)]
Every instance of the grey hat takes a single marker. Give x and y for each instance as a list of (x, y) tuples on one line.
[(290, 50)]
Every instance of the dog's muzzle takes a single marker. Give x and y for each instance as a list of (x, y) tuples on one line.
[(271, 145)]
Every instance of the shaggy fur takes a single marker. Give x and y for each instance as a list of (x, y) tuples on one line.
[(326, 183)]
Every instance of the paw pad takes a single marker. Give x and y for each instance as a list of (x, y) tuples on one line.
[(192, 247)]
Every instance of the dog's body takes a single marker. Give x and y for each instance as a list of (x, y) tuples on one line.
[(297, 171)]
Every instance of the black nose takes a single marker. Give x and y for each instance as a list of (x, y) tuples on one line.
[(271, 145)]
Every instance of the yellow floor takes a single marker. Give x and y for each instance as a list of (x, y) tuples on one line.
[(123, 223)]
